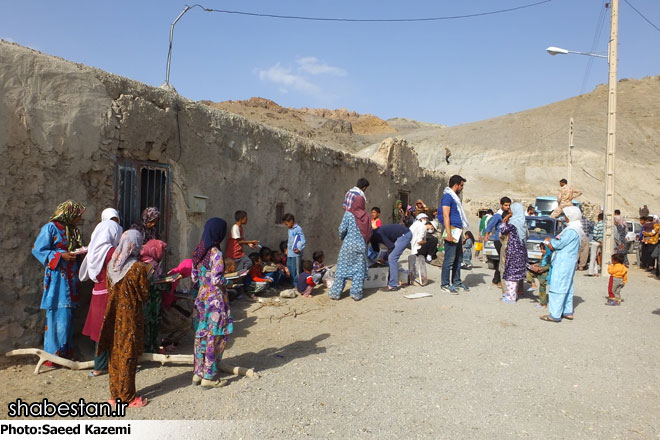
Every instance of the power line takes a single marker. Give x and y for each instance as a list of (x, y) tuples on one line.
[(370, 20), (642, 15)]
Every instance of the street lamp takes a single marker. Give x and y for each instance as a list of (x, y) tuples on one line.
[(608, 239), (559, 51)]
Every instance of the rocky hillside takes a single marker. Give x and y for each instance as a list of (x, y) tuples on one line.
[(339, 129), (524, 154), (521, 154)]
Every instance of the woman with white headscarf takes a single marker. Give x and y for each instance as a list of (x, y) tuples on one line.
[(515, 263), (122, 333), (564, 261), (105, 239)]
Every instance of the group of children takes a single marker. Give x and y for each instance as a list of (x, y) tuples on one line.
[(267, 268)]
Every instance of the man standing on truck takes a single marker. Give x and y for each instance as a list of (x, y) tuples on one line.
[(493, 230), (565, 197)]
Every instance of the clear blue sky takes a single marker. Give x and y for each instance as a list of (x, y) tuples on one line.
[(447, 72)]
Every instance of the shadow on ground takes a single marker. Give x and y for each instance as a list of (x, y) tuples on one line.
[(275, 357)]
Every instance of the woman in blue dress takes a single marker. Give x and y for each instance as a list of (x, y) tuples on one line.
[(355, 231), (566, 247), (53, 248)]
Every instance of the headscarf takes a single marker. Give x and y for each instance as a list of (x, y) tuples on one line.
[(619, 220), (148, 215), (422, 216), (109, 214), (574, 216), (518, 220), (65, 213), (152, 253), (656, 219), (215, 230), (106, 235), (125, 256), (362, 217)]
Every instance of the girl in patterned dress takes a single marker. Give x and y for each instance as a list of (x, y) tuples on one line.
[(515, 266), (122, 332), (211, 319)]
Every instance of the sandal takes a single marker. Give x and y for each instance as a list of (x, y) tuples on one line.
[(569, 317), (138, 402), (548, 318), (101, 373)]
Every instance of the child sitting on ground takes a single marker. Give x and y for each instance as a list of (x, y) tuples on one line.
[(542, 273), (270, 269), (318, 269), (618, 278), (258, 281), (305, 281), (282, 258)]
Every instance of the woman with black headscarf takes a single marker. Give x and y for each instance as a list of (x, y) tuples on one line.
[(212, 319)]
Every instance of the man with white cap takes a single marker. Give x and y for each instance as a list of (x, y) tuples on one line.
[(418, 229)]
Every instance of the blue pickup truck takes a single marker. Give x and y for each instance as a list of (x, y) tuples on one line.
[(538, 228)]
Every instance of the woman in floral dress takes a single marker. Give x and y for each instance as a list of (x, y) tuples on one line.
[(515, 266), (212, 319)]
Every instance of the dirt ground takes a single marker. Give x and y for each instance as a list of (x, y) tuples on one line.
[(465, 366)]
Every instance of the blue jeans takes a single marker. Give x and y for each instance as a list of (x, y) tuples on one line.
[(452, 263), (393, 259), (293, 263)]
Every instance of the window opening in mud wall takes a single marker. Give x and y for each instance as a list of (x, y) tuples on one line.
[(279, 213), (404, 196), (140, 185)]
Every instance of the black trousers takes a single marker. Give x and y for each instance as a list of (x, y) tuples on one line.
[(430, 247), (496, 276), (647, 249)]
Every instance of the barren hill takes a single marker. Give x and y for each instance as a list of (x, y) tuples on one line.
[(521, 154), (524, 154), (339, 129)]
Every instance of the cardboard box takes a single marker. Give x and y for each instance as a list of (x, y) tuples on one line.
[(376, 277)]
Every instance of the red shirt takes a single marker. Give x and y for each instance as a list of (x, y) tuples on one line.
[(235, 250)]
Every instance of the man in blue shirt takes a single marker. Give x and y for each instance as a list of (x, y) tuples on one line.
[(452, 217), (493, 231), (395, 237)]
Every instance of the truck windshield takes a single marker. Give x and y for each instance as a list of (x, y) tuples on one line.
[(546, 205), (541, 226)]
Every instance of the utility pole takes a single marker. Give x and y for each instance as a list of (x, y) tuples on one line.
[(570, 152), (608, 241)]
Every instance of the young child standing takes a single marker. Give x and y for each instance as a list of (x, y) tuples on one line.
[(295, 246), (305, 281), (618, 278), (236, 241), (468, 243), (542, 273), (375, 218)]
